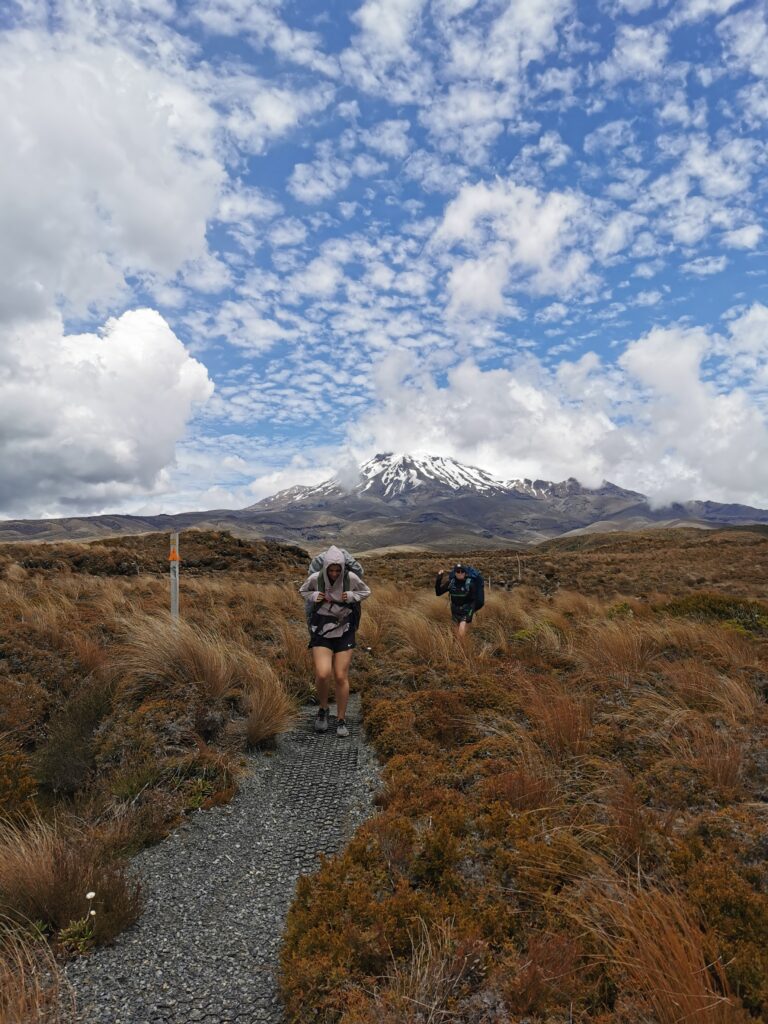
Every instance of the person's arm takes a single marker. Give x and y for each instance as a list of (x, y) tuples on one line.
[(308, 589), (440, 587), (358, 590)]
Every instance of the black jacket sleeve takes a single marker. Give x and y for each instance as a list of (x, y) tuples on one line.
[(440, 587)]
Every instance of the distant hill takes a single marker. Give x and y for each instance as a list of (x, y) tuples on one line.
[(411, 501)]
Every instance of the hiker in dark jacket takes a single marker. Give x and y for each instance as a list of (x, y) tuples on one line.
[(463, 591), (336, 593)]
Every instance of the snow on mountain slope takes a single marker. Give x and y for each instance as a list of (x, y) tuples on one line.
[(400, 477), (390, 475)]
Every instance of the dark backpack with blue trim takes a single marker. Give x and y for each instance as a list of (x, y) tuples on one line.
[(479, 585)]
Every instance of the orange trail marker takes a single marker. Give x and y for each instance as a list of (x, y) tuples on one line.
[(174, 559)]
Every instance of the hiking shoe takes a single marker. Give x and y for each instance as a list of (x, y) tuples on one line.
[(321, 720), (341, 728)]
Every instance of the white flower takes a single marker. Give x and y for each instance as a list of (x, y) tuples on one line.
[(90, 895), (93, 913)]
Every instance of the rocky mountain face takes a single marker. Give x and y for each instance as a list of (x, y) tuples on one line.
[(415, 501)]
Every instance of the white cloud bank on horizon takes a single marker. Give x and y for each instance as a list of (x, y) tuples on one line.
[(107, 414), (681, 415)]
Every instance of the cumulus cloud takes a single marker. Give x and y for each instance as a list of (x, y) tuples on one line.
[(660, 420), (514, 230), (639, 52), (89, 419), (705, 265), (324, 177), (97, 140)]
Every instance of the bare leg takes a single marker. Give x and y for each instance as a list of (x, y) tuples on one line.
[(322, 659), (461, 629), (341, 662)]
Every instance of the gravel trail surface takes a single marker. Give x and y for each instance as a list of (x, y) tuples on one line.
[(218, 889)]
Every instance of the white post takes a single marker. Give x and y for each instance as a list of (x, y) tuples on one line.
[(174, 559), (489, 582)]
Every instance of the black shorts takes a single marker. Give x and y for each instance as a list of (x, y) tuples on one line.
[(461, 614), (337, 644)]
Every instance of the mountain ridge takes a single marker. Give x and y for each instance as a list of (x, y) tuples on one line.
[(414, 500)]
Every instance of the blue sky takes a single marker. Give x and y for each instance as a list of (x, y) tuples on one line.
[(246, 244)]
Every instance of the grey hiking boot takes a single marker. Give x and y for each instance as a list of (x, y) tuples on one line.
[(321, 720), (341, 728)]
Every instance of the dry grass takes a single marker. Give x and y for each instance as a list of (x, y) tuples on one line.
[(562, 722), (702, 687), (46, 870), (426, 987), (658, 947), (620, 650), (415, 637), (161, 648), (32, 985), (269, 710)]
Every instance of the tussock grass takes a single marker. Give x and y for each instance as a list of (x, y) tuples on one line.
[(425, 987), (623, 650), (32, 985), (46, 869), (658, 947), (161, 648), (269, 709)]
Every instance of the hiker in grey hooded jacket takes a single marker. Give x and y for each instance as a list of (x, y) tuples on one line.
[(332, 626)]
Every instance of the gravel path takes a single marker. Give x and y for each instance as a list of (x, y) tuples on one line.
[(218, 889)]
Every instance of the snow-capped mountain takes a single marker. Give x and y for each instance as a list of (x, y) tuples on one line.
[(415, 500), (407, 478), (392, 476)]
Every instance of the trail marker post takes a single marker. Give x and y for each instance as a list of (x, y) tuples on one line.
[(174, 560)]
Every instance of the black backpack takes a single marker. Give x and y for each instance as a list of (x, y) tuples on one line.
[(479, 588), (351, 564)]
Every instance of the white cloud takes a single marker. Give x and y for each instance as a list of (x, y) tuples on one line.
[(258, 112), (106, 414), (531, 234), (97, 140), (696, 10), (388, 137), (387, 24), (288, 232), (704, 266), (745, 39), (324, 177), (653, 422), (639, 52), (552, 313), (747, 237)]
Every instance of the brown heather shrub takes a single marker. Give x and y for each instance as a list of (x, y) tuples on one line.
[(32, 985), (67, 755), (46, 869), (546, 976), (637, 831), (17, 783), (656, 948)]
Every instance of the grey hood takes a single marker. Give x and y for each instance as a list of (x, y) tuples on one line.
[(334, 556)]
